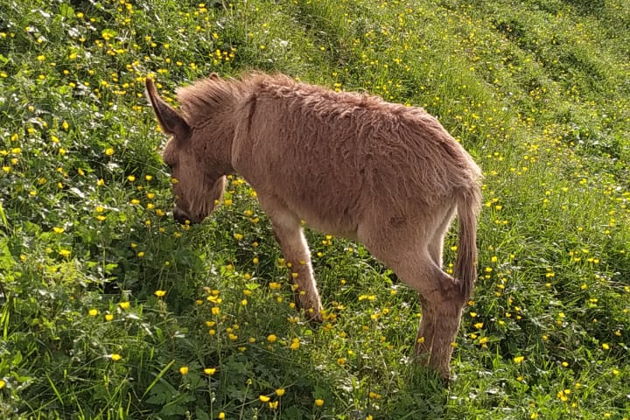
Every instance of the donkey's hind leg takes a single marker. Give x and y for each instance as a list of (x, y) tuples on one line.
[(441, 316), (442, 304), (290, 236), (440, 294), (435, 245)]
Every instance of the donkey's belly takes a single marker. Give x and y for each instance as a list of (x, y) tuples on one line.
[(343, 230), (330, 220)]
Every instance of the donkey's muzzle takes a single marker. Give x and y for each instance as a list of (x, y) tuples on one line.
[(180, 216)]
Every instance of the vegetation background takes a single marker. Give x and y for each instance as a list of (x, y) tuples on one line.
[(108, 309)]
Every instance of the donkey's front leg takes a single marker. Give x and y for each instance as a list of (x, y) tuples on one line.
[(290, 236)]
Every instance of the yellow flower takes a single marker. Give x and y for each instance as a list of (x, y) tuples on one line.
[(109, 151), (58, 229), (264, 398), (518, 359), (605, 346), (64, 253), (210, 371), (319, 402), (109, 317), (272, 338), (273, 405), (2, 384), (563, 394), (159, 293), (280, 392), (295, 344), (183, 370), (215, 310), (221, 415), (115, 357), (93, 312), (124, 305)]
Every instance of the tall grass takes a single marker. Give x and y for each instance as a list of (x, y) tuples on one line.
[(110, 310)]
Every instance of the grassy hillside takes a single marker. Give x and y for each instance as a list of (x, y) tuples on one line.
[(108, 309)]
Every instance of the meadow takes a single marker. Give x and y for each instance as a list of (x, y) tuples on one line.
[(110, 310)]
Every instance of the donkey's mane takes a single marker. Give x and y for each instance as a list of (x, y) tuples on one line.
[(201, 100), (213, 94)]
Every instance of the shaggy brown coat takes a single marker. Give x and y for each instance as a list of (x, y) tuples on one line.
[(350, 164)]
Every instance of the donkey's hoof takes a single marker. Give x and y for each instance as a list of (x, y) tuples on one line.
[(314, 315)]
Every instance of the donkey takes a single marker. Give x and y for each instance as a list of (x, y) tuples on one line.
[(350, 164)]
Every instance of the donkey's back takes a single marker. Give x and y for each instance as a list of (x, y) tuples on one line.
[(334, 157)]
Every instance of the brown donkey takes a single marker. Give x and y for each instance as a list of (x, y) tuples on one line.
[(350, 164)]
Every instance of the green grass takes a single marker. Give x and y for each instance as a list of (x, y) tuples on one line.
[(537, 91)]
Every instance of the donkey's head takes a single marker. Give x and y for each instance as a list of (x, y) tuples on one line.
[(197, 183)]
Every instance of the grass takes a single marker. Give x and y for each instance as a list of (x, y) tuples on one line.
[(110, 310)]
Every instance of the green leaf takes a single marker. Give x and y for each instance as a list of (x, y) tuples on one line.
[(158, 377), (201, 415), (3, 216), (66, 11), (172, 410), (6, 259)]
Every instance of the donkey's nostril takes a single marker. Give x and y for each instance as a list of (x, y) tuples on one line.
[(180, 216)]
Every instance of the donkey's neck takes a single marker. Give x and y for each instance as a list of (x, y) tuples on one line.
[(217, 138)]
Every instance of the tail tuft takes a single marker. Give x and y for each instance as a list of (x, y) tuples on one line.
[(468, 205)]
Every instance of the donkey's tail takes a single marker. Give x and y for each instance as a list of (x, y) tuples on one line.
[(468, 204)]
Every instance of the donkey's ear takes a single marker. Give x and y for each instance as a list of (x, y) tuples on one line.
[(213, 76), (172, 123)]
